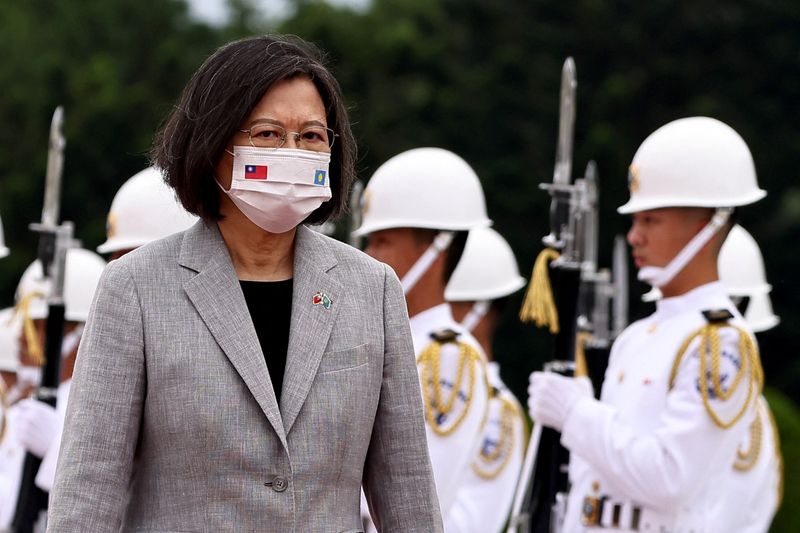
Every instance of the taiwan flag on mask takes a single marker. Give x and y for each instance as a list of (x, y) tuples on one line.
[(255, 172)]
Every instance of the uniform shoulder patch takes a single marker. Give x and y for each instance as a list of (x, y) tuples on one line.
[(715, 316), (444, 335)]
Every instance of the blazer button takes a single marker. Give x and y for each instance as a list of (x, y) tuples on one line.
[(279, 484)]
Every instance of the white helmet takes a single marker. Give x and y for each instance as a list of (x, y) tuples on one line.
[(692, 162), (741, 268), (10, 327), (423, 188), (143, 210), (83, 273), (487, 269), (3, 249)]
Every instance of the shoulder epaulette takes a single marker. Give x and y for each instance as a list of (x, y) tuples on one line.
[(444, 335), (717, 316)]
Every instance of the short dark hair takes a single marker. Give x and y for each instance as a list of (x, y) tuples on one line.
[(218, 98)]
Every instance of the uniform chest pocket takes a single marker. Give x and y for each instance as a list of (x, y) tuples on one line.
[(344, 359)]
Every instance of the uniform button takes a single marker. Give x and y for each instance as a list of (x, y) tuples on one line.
[(279, 484)]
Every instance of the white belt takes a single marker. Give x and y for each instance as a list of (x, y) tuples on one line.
[(605, 513)]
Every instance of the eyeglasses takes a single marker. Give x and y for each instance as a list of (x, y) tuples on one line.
[(316, 138)]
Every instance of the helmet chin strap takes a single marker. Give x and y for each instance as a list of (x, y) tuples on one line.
[(478, 311), (660, 276), (418, 269)]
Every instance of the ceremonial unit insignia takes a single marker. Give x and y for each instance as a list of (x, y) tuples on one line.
[(365, 201), (111, 225), (633, 179), (320, 298)]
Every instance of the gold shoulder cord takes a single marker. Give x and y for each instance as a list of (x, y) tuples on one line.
[(745, 461), (750, 361), (430, 359), (505, 447)]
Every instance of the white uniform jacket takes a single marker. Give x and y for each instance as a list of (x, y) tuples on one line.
[(484, 499), (650, 446), (451, 453)]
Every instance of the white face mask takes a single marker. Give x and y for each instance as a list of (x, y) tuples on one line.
[(277, 188)]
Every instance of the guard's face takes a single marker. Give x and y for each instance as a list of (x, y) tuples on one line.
[(657, 235), (398, 247)]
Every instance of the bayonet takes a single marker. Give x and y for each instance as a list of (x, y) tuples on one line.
[(562, 173), (560, 188), (356, 212), (55, 167)]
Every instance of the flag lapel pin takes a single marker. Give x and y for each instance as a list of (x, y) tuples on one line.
[(320, 298)]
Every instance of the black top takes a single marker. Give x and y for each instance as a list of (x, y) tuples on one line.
[(270, 306)]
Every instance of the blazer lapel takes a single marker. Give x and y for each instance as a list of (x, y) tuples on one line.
[(312, 320), (216, 294)]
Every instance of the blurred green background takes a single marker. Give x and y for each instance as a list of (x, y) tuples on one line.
[(480, 78)]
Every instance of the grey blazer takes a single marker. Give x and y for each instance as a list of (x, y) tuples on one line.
[(172, 423)]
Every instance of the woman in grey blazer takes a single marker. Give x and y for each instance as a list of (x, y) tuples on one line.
[(248, 374)]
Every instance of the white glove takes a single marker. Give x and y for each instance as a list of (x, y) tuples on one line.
[(552, 397), (37, 424)]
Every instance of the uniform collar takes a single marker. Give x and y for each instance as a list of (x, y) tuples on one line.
[(439, 314), (710, 295)]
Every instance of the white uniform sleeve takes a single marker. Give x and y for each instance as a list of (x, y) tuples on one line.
[(12, 458), (451, 454), (483, 505), (660, 468)]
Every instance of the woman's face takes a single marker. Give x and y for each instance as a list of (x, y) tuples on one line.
[(293, 104)]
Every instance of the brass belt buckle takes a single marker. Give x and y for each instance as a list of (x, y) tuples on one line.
[(592, 511)]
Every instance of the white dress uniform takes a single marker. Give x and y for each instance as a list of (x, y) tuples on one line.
[(650, 456), (484, 499)]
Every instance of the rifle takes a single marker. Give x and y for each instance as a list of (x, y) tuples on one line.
[(54, 240), (603, 300), (544, 475)]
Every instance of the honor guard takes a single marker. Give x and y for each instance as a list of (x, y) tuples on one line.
[(681, 388), (754, 490), (417, 209), (34, 426), (144, 209), (478, 293)]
